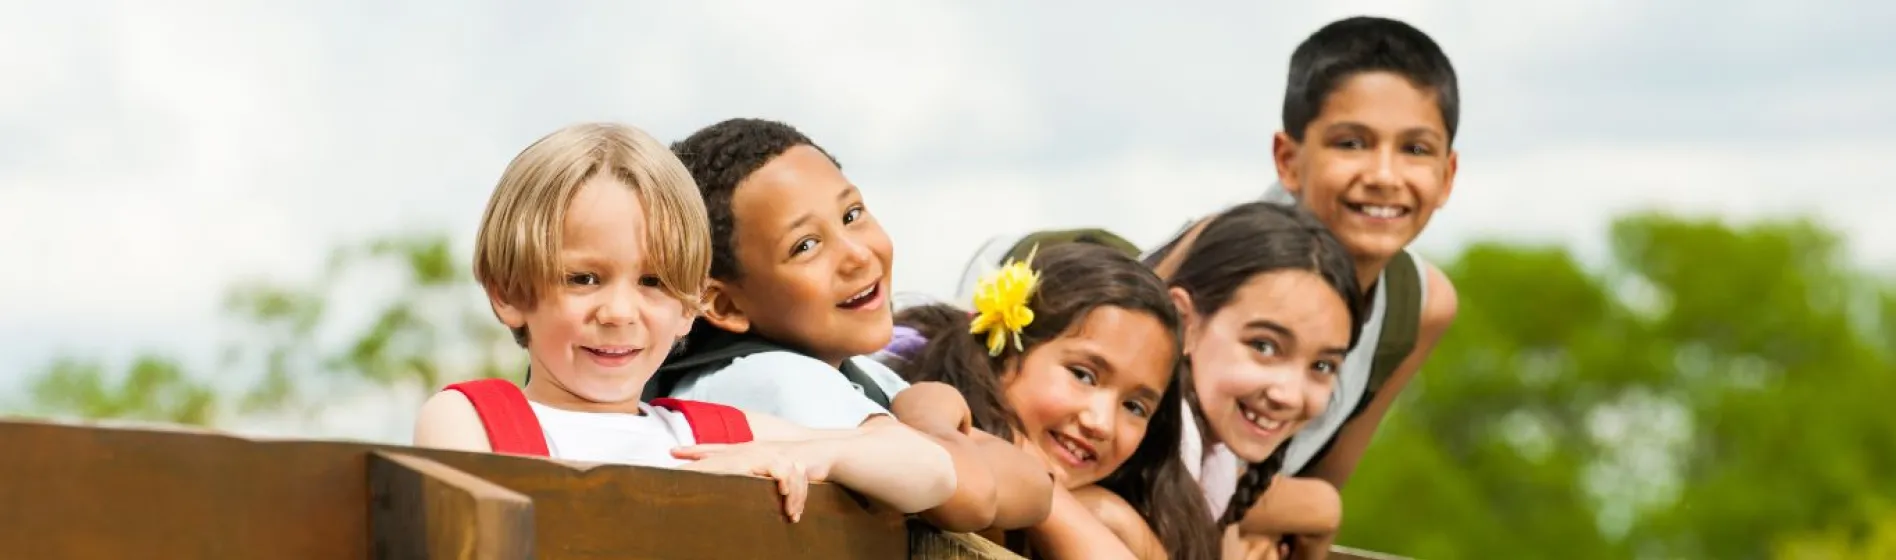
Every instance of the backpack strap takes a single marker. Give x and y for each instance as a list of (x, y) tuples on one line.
[(709, 348), (511, 425), (710, 422), (868, 384), (1402, 320)]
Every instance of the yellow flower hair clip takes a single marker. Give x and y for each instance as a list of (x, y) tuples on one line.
[(1000, 303)]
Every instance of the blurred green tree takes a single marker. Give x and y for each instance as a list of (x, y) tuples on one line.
[(1711, 392)]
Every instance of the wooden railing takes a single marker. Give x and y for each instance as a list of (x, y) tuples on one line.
[(71, 491), (91, 492)]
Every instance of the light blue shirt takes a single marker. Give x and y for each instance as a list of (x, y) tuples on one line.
[(794, 387)]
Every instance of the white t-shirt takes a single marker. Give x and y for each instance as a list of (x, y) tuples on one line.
[(794, 387), (614, 437)]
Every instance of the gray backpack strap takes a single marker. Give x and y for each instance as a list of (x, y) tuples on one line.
[(1402, 320), (867, 384)]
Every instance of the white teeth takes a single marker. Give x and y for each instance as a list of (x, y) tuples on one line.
[(1266, 424), (1074, 449), (862, 294), (1381, 211)]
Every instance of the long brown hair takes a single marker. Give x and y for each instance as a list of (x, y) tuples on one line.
[(1240, 243), (1076, 278)]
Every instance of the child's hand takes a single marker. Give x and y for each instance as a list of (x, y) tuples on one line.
[(766, 459)]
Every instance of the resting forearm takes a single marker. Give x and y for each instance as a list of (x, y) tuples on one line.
[(1070, 531), (894, 465), (1295, 506)]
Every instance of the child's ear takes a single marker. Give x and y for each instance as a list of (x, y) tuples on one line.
[(1284, 154), (1448, 179), (1187, 314), (513, 317), (722, 310)]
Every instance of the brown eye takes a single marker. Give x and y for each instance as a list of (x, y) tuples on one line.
[(1083, 375), (650, 281), (582, 279)]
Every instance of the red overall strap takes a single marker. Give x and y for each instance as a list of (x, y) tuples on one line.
[(511, 425), (710, 422)]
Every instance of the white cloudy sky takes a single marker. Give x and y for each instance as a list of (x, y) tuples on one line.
[(152, 152)]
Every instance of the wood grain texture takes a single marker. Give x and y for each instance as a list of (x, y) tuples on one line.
[(422, 509), (86, 492)]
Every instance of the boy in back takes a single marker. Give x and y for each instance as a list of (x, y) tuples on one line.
[(1370, 111), (799, 297), (593, 251)]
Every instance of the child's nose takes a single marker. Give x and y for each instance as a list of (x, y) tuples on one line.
[(856, 255), (1096, 419), (1284, 392), (621, 306), (1384, 172)]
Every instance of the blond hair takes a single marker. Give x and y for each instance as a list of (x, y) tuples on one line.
[(516, 254)]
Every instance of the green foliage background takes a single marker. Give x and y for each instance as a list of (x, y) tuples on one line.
[(1712, 391)]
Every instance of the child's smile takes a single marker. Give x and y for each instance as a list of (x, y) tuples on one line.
[(612, 356)]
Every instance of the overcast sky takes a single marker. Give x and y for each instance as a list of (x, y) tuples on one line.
[(151, 153)]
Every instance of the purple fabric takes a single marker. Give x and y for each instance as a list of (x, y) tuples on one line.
[(906, 342)]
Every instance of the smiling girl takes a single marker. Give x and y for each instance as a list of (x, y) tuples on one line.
[(1088, 383), (1270, 305)]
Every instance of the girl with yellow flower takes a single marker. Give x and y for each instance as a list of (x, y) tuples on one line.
[(1072, 354)]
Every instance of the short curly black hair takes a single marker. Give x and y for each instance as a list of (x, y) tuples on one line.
[(722, 155)]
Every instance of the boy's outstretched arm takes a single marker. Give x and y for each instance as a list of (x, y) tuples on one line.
[(1437, 314), (1001, 486), (889, 463)]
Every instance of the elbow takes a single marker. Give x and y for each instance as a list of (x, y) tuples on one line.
[(1326, 509), (1036, 502)]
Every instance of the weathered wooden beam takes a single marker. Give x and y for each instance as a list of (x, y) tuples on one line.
[(70, 491), (426, 510), (926, 542)]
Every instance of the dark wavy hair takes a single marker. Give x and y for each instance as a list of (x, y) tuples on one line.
[(1234, 246), (1075, 279)]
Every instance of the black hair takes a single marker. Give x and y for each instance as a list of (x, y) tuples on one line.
[(1075, 279), (1352, 46), (722, 155), (1234, 246)]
